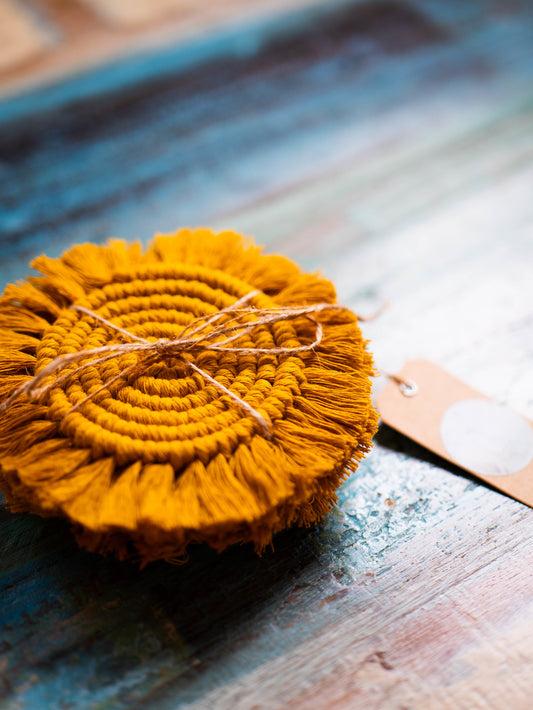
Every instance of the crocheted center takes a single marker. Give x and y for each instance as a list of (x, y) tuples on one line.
[(167, 413)]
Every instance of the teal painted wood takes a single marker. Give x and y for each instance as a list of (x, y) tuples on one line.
[(390, 145)]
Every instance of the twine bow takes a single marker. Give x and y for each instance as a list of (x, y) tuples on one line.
[(201, 334)]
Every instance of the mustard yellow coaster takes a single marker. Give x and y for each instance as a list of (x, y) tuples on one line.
[(197, 392)]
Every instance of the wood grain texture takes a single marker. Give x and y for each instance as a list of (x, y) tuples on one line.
[(48, 40), (388, 144)]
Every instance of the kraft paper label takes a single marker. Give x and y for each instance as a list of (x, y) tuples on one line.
[(463, 426)]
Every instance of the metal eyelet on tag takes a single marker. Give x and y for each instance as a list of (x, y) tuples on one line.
[(409, 388)]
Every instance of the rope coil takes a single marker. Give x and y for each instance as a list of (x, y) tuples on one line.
[(128, 360)]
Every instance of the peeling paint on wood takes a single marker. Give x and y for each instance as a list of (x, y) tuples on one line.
[(393, 151)]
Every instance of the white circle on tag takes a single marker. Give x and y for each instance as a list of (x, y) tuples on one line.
[(486, 438)]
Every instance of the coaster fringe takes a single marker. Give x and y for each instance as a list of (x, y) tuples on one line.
[(146, 456)]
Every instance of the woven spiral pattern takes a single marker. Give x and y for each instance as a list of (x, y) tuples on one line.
[(160, 457), (167, 413)]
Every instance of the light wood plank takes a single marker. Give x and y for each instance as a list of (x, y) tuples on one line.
[(22, 37), (128, 13)]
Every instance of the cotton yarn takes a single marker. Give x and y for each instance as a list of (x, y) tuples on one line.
[(154, 456)]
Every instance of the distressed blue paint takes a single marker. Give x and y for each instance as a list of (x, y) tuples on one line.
[(82, 631), (212, 150), (98, 628), (240, 40)]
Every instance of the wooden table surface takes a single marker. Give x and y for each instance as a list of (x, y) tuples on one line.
[(388, 144)]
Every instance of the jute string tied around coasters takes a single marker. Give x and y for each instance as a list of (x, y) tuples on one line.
[(193, 391), (203, 333)]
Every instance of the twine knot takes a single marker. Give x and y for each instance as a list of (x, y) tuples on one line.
[(203, 333)]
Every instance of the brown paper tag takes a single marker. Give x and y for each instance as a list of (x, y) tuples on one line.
[(463, 426)]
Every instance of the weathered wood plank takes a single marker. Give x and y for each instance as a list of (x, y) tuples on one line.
[(22, 38), (50, 40), (403, 172)]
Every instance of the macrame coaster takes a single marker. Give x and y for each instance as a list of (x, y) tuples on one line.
[(196, 392)]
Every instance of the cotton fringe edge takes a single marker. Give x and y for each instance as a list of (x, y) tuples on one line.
[(150, 510)]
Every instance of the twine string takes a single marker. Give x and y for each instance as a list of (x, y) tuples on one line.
[(203, 333)]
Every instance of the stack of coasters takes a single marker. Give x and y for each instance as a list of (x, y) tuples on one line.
[(145, 455)]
